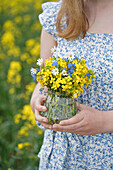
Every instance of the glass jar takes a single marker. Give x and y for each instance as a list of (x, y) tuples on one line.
[(59, 107)]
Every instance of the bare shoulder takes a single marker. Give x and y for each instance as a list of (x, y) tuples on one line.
[(47, 42)]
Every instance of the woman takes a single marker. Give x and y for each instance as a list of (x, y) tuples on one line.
[(86, 140)]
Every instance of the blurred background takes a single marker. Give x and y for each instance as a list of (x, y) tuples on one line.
[(20, 138)]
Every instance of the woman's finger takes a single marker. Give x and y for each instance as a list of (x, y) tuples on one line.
[(67, 128), (81, 107), (40, 108), (47, 126), (40, 118), (41, 99), (75, 119)]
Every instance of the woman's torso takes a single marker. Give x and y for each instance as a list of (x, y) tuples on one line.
[(66, 150)]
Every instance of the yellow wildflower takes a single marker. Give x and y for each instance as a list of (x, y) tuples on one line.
[(15, 51), (17, 118), (23, 131), (8, 39), (8, 24), (20, 146), (18, 78), (15, 65), (35, 50), (30, 42), (26, 144), (40, 132), (27, 18), (12, 90), (18, 20), (24, 56), (2, 56), (30, 87)]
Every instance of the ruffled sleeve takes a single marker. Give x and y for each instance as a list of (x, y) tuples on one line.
[(49, 16)]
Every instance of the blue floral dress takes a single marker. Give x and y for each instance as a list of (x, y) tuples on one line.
[(68, 151)]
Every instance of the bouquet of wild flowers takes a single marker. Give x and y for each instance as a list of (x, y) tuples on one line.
[(65, 78)]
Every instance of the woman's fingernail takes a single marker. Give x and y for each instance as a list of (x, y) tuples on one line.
[(61, 123), (43, 108), (45, 121)]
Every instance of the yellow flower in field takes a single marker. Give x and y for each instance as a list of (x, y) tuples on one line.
[(35, 50), (26, 144), (24, 56), (0, 9), (29, 125), (27, 18), (36, 26), (30, 42), (18, 78), (27, 110), (2, 56), (30, 87), (15, 51), (10, 76), (29, 60), (13, 72), (23, 131), (8, 24), (15, 65), (40, 132), (17, 118), (12, 90), (9, 169), (28, 114), (8, 39), (13, 4), (37, 5), (18, 20), (20, 146)]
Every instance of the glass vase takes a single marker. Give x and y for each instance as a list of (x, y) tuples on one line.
[(59, 107)]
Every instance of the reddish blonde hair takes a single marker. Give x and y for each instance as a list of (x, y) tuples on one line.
[(76, 19)]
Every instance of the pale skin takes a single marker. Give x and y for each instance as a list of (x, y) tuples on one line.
[(89, 121)]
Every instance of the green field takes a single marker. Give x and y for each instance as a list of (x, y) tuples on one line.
[(20, 138)]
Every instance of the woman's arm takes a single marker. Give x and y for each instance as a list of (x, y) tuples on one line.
[(88, 121), (108, 121), (47, 42)]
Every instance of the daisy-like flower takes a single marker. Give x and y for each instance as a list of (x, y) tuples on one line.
[(33, 71), (39, 61), (53, 49), (55, 71), (71, 56), (64, 72)]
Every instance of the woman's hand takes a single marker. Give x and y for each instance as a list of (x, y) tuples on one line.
[(38, 105), (88, 121)]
